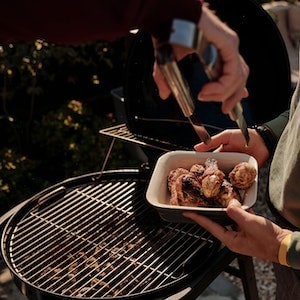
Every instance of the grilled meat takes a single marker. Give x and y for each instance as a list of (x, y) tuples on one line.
[(206, 185), (198, 170), (212, 178), (174, 180), (242, 175), (227, 192), (189, 191), (185, 189)]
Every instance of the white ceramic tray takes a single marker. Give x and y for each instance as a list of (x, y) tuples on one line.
[(158, 195)]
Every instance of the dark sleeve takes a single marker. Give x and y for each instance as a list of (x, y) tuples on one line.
[(278, 124), (293, 252), (73, 22), (271, 131)]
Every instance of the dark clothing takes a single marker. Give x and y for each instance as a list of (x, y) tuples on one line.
[(288, 283), (73, 22), (284, 176)]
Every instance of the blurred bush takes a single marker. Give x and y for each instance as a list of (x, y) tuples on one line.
[(54, 100)]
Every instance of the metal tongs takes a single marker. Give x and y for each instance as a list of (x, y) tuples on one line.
[(186, 34)]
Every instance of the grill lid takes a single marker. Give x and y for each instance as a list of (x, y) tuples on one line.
[(98, 239)]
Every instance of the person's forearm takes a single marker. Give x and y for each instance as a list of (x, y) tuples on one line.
[(216, 31), (230, 86)]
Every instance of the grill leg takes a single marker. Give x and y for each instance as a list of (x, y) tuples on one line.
[(247, 275)]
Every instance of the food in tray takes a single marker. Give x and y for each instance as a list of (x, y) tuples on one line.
[(212, 179), (206, 185), (242, 175)]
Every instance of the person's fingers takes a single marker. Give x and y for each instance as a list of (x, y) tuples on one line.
[(234, 203), (231, 101), (220, 232), (230, 87), (216, 229), (237, 214), (234, 211), (227, 147), (216, 141), (214, 92), (162, 85), (202, 147), (218, 91)]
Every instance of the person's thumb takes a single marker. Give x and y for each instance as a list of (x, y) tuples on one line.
[(163, 87), (235, 212), (234, 203)]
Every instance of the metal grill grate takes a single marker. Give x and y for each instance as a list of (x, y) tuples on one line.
[(121, 132), (102, 240)]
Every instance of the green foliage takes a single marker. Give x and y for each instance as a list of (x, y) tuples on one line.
[(17, 180), (54, 100), (69, 140)]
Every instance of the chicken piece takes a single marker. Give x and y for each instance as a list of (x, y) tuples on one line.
[(173, 182), (189, 192), (174, 174), (227, 192), (198, 170), (243, 175), (212, 178), (211, 186)]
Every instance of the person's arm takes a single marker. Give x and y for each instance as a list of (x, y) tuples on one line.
[(254, 236), (229, 88), (232, 140)]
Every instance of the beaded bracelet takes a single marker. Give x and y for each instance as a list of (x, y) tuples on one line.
[(267, 136)]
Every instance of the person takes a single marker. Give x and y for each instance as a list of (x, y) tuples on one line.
[(277, 142), (72, 22)]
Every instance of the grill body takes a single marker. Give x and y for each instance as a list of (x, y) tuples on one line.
[(97, 238)]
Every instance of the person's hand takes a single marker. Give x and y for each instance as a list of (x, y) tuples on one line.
[(232, 140), (230, 86), (163, 88), (253, 235)]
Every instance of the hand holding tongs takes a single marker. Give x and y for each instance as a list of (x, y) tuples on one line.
[(186, 34)]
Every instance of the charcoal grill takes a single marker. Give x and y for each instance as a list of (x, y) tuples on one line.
[(95, 237), (98, 239)]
